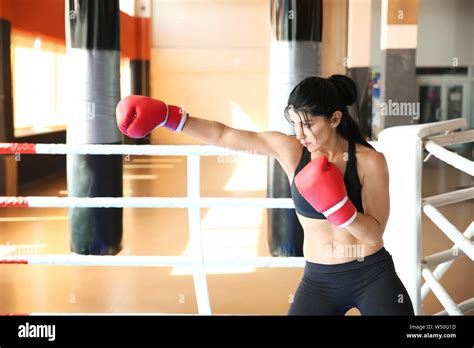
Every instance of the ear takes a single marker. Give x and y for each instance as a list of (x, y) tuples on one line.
[(335, 119)]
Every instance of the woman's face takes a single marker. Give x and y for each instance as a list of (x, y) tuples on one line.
[(313, 131)]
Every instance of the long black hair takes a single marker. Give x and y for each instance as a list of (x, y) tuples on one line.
[(319, 96)]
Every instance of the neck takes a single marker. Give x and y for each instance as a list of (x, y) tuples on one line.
[(333, 148)]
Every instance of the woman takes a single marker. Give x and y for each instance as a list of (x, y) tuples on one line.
[(343, 215)]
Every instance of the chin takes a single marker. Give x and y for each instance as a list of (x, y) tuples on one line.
[(312, 148)]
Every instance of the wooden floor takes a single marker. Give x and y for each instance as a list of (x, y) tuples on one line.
[(242, 231)]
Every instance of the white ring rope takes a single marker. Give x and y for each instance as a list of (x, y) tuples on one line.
[(453, 138), (153, 261), (441, 294), (107, 149), (152, 150), (450, 197), (451, 158), (449, 230), (462, 243), (142, 202)]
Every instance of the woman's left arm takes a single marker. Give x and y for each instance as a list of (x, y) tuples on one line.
[(370, 225)]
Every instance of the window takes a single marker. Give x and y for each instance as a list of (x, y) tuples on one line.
[(39, 84)]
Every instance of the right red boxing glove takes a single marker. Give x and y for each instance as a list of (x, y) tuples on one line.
[(321, 183), (138, 115)]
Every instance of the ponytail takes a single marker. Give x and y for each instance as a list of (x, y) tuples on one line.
[(349, 129), (347, 91)]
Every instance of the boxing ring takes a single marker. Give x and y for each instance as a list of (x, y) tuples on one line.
[(193, 202), (402, 146)]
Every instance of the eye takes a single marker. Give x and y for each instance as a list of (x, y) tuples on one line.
[(307, 125)]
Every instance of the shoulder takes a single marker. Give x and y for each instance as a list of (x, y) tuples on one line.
[(370, 157), (287, 150), (277, 144), (285, 143), (370, 162)]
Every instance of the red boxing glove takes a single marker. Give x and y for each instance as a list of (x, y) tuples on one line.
[(138, 115), (321, 183)]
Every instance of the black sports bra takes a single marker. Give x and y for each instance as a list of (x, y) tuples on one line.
[(351, 180)]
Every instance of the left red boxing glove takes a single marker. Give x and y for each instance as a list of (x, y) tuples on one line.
[(321, 183), (138, 115)]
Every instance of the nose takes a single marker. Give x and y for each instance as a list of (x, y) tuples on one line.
[(299, 133)]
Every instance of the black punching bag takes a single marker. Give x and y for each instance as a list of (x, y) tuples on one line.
[(6, 100), (294, 55), (93, 37)]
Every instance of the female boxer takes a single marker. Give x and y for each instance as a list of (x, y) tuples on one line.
[(339, 185)]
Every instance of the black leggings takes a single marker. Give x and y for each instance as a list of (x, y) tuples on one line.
[(371, 285)]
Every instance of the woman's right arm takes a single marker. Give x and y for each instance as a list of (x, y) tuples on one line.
[(270, 143), (139, 115)]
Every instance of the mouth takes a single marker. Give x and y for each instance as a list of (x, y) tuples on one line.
[(306, 144)]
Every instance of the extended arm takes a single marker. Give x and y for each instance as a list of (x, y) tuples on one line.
[(138, 115)]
